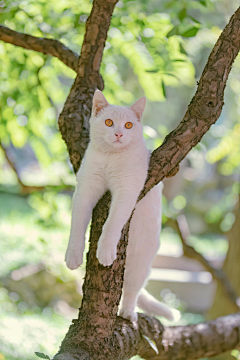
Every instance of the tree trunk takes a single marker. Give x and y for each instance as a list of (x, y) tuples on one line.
[(94, 331), (98, 333)]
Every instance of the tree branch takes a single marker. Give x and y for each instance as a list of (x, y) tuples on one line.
[(195, 341), (181, 226), (74, 119), (94, 329), (46, 46), (173, 343), (11, 164), (24, 188), (185, 342), (203, 110)]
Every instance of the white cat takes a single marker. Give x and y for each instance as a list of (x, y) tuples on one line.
[(117, 159)]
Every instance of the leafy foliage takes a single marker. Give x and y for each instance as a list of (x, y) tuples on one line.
[(41, 355), (153, 49)]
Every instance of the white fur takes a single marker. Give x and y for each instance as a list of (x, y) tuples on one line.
[(118, 163)]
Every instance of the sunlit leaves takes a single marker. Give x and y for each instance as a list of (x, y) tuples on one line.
[(203, 2), (137, 38), (228, 148), (31, 98), (190, 32), (179, 202), (22, 333), (182, 13), (146, 53), (163, 89), (42, 356), (235, 353), (141, 38)]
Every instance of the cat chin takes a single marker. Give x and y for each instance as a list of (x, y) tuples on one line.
[(117, 145)]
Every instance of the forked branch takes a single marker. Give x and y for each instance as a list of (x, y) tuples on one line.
[(94, 331), (98, 333)]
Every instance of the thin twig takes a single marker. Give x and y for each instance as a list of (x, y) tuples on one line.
[(25, 189)]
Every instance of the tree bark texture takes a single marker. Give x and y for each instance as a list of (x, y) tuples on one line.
[(74, 119), (172, 343), (203, 110), (102, 287), (98, 333)]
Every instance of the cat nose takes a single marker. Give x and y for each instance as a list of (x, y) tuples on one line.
[(118, 135)]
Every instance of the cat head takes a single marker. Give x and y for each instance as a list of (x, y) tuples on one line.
[(113, 127)]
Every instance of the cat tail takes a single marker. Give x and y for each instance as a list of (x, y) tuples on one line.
[(152, 306)]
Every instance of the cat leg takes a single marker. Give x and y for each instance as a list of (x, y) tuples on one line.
[(142, 246), (120, 210), (135, 277), (85, 198)]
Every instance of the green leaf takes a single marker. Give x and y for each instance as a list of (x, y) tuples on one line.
[(172, 32), (169, 74), (152, 344), (41, 355), (182, 14), (193, 19), (183, 51), (170, 4), (203, 2), (180, 60), (163, 89), (152, 71), (191, 32)]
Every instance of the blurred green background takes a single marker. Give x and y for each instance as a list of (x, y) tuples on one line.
[(154, 48)]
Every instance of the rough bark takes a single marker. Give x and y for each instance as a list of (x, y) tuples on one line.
[(203, 110), (195, 341), (173, 343), (94, 329), (98, 333), (43, 45), (74, 119)]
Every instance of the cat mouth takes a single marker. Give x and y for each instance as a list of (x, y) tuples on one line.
[(117, 141)]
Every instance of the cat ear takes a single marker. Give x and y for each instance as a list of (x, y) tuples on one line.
[(99, 102), (138, 107)]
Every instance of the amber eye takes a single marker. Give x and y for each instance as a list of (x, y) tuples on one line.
[(109, 122), (128, 125)]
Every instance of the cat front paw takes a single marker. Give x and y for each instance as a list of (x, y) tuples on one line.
[(73, 258), (106, 253), (128, 314)]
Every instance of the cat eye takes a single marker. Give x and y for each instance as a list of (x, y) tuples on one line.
[(109, 122), (128, 125)]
